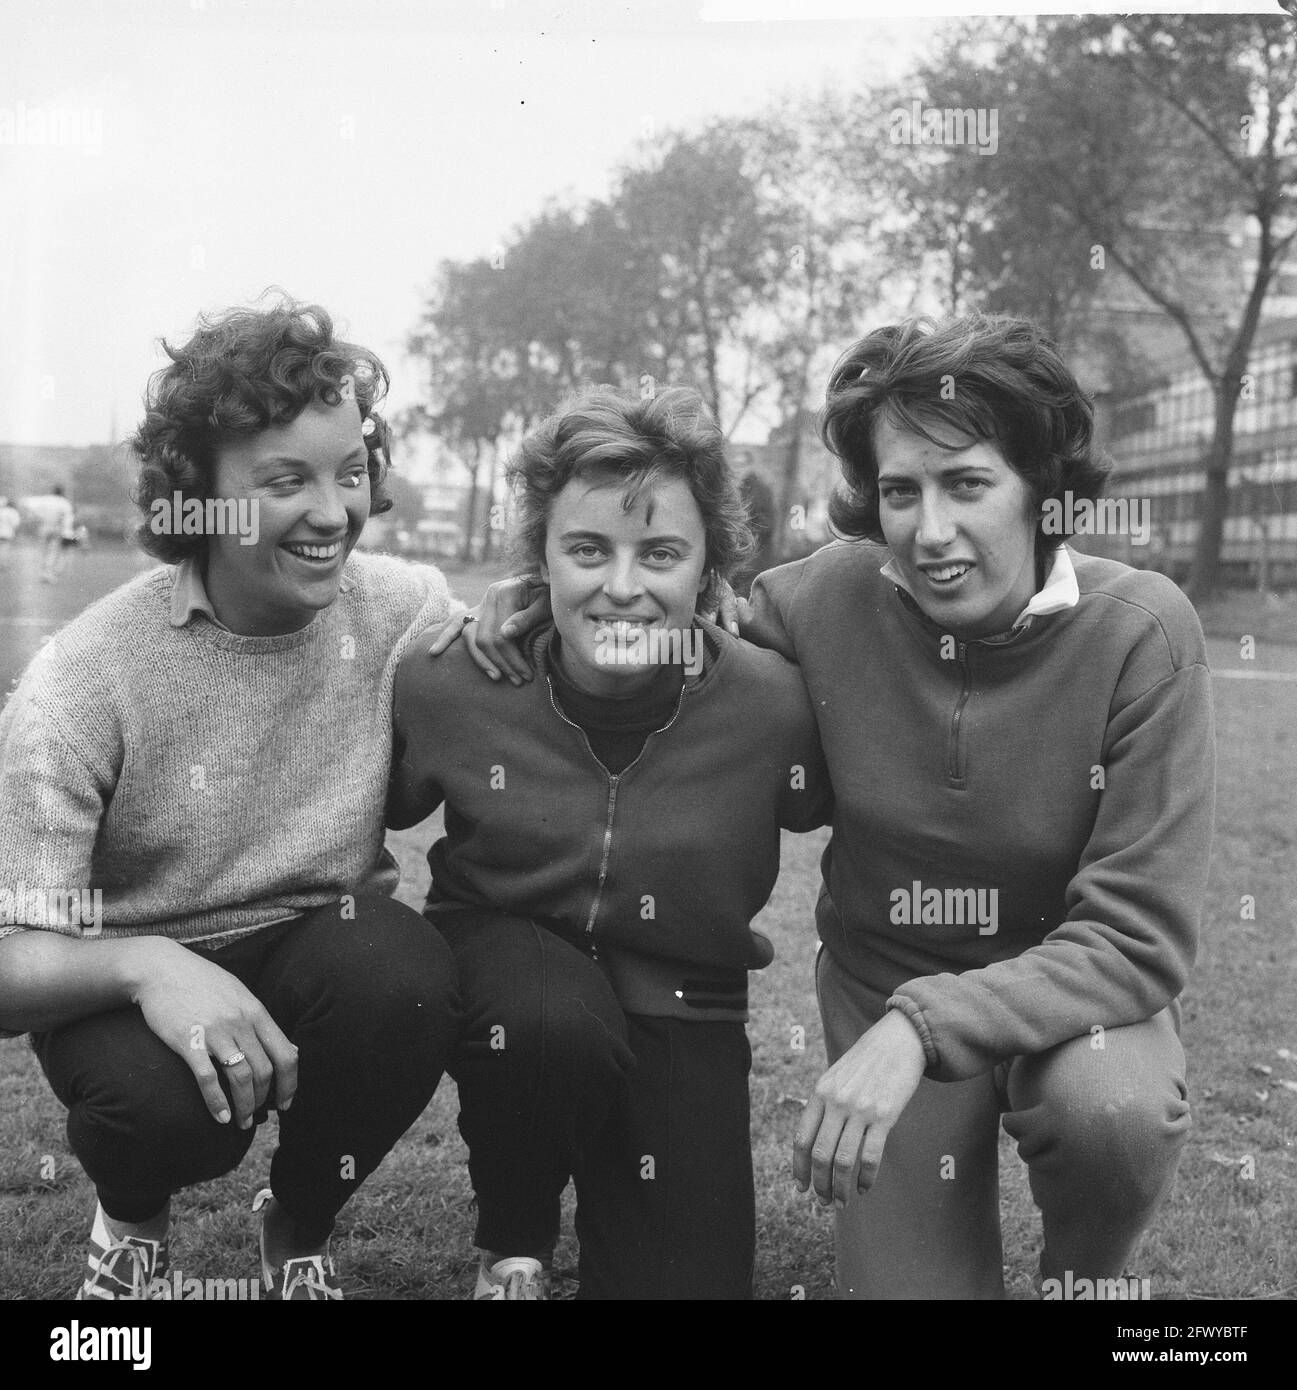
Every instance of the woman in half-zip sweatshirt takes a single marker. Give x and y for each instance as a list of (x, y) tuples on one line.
[(1021, 744)]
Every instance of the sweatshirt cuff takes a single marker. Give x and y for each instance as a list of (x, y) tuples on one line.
[(915, 1014)]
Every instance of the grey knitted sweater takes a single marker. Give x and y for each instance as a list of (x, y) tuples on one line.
[(206, 783)]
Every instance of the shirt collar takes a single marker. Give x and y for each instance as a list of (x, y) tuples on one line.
[(189, 594), (1059, 591)]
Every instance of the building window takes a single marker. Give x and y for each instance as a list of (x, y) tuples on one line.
[(1133, 417)]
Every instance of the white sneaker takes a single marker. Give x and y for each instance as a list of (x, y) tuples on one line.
[(307, 1279), (517, 1277), (121, 1269)]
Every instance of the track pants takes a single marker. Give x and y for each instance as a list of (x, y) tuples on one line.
[(369, 1002), (649, 1116), (1100, 1128)]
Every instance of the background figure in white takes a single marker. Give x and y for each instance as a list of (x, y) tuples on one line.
[(9, 523), (70, 537), (53, 513)]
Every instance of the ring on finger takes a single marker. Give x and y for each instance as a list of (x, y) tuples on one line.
[(234, 1060)]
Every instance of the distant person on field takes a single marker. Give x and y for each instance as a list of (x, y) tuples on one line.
[(53, 513), (69, 538), (9, 523)]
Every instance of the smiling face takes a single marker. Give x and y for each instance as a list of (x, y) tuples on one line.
[(614, 573), (961, 526), (310, 483)]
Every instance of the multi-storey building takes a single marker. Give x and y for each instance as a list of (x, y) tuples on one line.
[(1160, 438)]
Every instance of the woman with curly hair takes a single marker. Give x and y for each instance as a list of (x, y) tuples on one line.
[(192, 780), (611, 831), (1020, 743)]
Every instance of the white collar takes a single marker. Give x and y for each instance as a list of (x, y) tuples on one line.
[(1059, 591), (189, 593)]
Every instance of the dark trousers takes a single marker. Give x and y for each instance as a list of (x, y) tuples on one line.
[(370, 1004), (649, 1115)]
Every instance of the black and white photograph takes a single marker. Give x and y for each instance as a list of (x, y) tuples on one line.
[(648, 652)]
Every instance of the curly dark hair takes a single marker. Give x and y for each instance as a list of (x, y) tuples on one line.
[(988, 377), (639, 442), (244, 370)]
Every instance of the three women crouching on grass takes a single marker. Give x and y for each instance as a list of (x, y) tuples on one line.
[(612, 829)]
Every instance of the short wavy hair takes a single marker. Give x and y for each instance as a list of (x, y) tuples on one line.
[(639, 442), (244, 370), (988, 377)]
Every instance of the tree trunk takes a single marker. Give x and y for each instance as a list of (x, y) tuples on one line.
[(713, 378), (470, 517), (1204, 579), (489, 531), (788, 482)]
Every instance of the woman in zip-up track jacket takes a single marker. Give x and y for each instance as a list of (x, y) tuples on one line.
[(612, 828)]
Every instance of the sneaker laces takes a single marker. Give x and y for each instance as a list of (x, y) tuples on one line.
[(520, 1285), (514, 1279), (141, 1258), (309, 1274), (306, 1278)]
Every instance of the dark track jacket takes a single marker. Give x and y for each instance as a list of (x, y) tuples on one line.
[(657, 871)]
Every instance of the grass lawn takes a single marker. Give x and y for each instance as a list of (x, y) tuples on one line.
[(1225, 1232)]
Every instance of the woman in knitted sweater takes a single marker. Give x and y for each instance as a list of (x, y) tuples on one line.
[(197, 925), (1021, 747)]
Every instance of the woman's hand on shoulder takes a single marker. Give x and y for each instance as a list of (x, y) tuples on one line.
[(508, 611), (206, 1016), (843, 1130), (730, 609)]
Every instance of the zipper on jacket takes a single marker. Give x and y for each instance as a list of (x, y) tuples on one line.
[(614, 781), (956, 749)]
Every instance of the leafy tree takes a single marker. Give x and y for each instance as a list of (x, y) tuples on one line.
[(729, 259), (1144, 146), (831, 219), (1227, 89), (472, 381), (711, 248)]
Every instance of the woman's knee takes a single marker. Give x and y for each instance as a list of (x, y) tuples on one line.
[(587, 1044), (533, 999), (377, 970), (572, 1021), (155, 1134), (1117, 1123)]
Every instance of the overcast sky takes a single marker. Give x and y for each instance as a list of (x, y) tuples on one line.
[(340, 150)]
